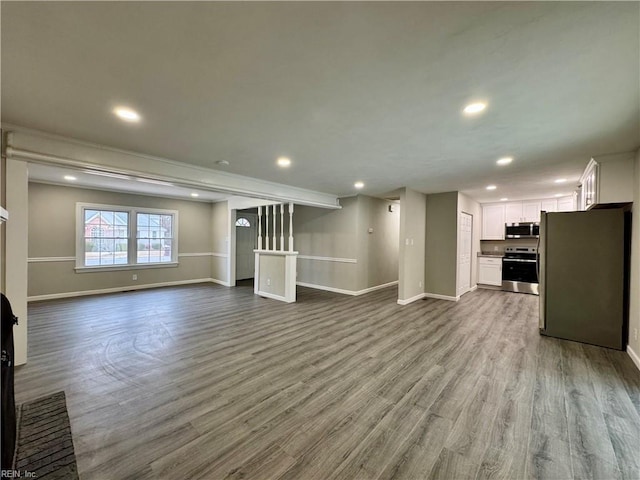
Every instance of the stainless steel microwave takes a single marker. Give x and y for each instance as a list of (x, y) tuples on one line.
[(522, 230)]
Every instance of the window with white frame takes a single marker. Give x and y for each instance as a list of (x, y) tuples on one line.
[(122, 237)]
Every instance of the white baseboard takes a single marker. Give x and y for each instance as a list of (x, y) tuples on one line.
[(326, 289), (411, 300), (346, 292), (634, 356), (54, 296), (273, 296), (377, 287), (442, 297), (220, 282)]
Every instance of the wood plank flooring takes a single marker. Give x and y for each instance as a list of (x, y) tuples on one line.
[(207, 382)]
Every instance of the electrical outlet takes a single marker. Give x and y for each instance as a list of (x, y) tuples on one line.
[(268, 282), (135, 277), (495, 248), (420, 283), (635, 334)]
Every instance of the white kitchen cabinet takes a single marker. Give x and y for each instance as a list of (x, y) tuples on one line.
[(589, 190), (531, 211), (513, 212), (490, 271), (516, 212), (549, 205), (607, 179), (566, 204), (493, 222)]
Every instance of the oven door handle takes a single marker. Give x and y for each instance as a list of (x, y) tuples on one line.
[(518, 260)]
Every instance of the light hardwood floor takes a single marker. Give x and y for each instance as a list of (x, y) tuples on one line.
[(211, 382)]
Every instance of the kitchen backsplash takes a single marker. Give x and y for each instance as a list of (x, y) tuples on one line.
[(498, 246)]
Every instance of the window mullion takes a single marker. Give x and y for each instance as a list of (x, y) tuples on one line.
[(133, 240)]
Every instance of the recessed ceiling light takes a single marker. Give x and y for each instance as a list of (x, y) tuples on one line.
[(358, 185), (504, 199), (195, 194), (491, 187), (504, 160), (222, 162), (127, 114), (474, 108), (560, 180), (283, 162), (71, 178)]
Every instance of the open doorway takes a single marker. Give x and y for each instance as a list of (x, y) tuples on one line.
[(246, 241)]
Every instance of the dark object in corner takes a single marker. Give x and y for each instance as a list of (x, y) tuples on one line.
[(8, 439)]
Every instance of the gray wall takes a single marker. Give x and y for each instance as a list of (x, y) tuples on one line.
[(359, 259), (413, 217), (327, 233), (272, 274), (634, 310), (52, 233), (377, 251), (441, 244)]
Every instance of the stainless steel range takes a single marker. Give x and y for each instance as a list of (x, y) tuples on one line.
[(520, 270)]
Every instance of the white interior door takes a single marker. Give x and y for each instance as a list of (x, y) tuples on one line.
[(246, 241), (465, 235)]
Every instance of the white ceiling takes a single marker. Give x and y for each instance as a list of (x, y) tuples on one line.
[(349, 91)]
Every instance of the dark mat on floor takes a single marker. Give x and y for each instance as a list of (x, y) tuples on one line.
[(45, 446)]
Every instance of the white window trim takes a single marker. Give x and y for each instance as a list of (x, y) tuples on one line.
[(132, 241)]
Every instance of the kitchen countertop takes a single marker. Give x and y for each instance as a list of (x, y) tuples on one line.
[(491, 255)]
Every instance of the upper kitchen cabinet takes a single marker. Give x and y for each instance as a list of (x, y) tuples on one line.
[(565, 204), (607, 179), (516, 212), (493, 221), (589, 186), (549, 205), (495, 215)]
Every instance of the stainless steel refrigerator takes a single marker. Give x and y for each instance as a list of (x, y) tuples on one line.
[(584, 275)]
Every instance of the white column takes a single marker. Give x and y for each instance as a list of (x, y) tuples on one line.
[(291, 227), (266, 223), (17, 191), (274, 227), (259, 228), (282, 227)]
